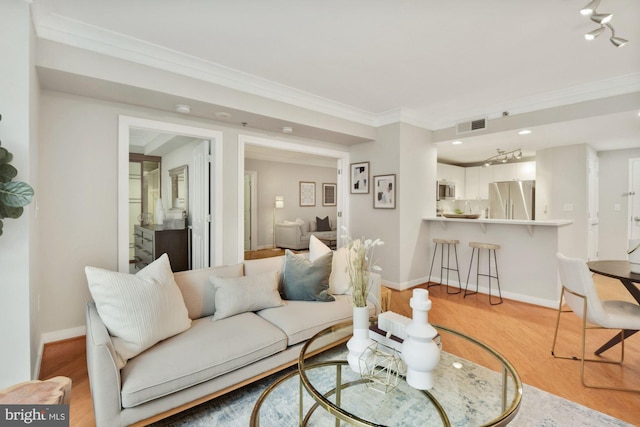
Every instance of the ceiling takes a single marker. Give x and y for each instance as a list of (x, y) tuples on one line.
[(429, 63)]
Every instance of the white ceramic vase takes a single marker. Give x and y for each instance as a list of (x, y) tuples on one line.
[(159, 212), (360, 340), (420, 353)]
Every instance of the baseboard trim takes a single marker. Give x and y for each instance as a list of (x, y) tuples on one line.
[(63, 334), (49, 337)]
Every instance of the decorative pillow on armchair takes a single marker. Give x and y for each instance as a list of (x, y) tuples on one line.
[(139, 309), (306, 280), (323, 224)]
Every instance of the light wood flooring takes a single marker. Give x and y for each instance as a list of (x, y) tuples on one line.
[(523, 333)]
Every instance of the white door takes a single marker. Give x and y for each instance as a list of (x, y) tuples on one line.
[(634, 199), (200, 207), (593, 172)]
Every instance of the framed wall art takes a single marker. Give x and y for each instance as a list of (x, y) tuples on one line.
[(384, 191), (359, 174), (329, 194), (307, 193)]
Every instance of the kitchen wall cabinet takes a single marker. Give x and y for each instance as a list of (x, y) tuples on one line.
[(477, 179), (514, 171), (455, 174)]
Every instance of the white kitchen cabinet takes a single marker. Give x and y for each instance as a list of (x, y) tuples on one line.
[(514, 171), (504, 172), (477, 179), (454, 174), (526, 171)]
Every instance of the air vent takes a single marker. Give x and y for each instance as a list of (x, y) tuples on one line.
[(471, 125)]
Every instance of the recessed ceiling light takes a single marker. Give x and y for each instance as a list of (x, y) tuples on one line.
[(223, 115), (524, 132), (183, 108), (457, 142), (287, 129)]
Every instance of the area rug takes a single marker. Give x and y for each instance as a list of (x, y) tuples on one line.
[(538, 408)]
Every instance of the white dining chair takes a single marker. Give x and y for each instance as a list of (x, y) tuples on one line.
[(579, 292)]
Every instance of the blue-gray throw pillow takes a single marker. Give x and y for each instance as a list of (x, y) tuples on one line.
[(323, 224), (304, 280)]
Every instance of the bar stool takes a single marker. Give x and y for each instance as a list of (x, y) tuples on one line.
[(448, 243), (491, 247)]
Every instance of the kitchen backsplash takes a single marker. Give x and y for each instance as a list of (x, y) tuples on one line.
[(477, 206)]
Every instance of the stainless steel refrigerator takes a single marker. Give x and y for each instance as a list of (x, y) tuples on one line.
[(512, 200)]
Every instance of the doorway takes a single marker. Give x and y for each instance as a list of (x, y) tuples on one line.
[(125, 124), (342, 180)]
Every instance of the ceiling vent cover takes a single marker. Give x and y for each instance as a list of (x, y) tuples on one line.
[(471, 125)]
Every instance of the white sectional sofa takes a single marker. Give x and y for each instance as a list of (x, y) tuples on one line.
[(211, 356), (296, 234)]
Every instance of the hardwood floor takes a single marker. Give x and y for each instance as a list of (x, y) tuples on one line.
[(523, 333)]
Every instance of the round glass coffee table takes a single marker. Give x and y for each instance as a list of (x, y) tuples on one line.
[(473, 386)]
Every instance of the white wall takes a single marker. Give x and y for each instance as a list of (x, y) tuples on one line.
[(18, 344), (561, 180), (406, 151), (283, 179), (614, 183), (78, 209)]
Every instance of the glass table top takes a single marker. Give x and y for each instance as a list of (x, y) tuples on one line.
[(473, 386)]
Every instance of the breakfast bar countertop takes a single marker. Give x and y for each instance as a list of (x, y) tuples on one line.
[(551, 222)]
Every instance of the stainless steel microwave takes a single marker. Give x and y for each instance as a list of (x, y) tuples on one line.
[(446, 190)]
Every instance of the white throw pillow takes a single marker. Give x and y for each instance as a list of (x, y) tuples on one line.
[(339, 280), (247, 293), (317, 248), (138, 310)]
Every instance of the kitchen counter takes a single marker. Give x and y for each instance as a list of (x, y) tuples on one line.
[(526, 259), (484, 222)]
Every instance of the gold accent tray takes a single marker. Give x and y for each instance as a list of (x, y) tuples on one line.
[(467, 216)]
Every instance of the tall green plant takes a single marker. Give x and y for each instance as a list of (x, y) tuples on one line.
[(14, 195)]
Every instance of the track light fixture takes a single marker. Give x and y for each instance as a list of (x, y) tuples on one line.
[(589, 8), (595, 33), (603, 19), (617, 41), (503, 157)]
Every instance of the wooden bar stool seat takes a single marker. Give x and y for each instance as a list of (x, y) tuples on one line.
[(491, 248), (445, 267)]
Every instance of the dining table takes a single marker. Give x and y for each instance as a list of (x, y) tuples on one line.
[(621, 270)]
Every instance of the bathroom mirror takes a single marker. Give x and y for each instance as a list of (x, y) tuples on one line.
[(179, 187)]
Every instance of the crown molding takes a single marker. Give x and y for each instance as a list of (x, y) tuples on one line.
[(81, 35), (572, 95), (64, 30)]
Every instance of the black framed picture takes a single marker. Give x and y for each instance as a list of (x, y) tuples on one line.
[(359, 174), (384, 191), (329, 194)]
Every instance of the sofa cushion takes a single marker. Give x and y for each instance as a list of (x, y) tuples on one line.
[(205, 351), (301, 320), (306, 280), (237, 295), (198, 294), (138, 310), (263, 265)]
